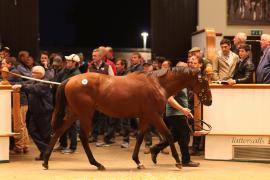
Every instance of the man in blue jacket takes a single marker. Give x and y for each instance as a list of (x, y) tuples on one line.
[(263, 69), (40, 109)]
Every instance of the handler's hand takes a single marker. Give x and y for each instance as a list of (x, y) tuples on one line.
[(16, 86), (187, 112), (231, 82)]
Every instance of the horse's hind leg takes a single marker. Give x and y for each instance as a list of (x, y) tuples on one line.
[(139, 139), (67, 122), (162, 128), (92, 160), (84, 131)]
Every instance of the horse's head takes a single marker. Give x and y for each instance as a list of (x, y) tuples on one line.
[(202, 90)]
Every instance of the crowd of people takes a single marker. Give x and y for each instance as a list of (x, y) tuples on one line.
[(233, 65)]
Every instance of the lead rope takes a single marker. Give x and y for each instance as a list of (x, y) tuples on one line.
[(203, 131), (33, 79)]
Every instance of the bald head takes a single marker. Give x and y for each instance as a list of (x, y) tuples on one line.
[(103, 52), (109, 54), (38, 72), (239, 38), (265, 41)]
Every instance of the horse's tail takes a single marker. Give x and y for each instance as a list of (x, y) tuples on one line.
[(60, 106)]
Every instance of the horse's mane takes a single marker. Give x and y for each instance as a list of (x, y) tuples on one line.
[(157, 73), (180, 69), (184, 70)]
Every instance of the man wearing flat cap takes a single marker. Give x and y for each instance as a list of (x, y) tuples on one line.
[(196, 51)]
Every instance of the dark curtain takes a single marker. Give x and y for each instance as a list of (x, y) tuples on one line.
[(172, 22), (19, 25), (90, 23)]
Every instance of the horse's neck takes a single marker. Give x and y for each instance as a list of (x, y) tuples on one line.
[(172, 82)]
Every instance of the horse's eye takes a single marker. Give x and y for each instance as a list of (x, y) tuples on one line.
[(200, 94)]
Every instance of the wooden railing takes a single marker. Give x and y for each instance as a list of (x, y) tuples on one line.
[(6, 97)]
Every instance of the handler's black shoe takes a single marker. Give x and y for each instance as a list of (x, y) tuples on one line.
[(153, 155), (191, 164)]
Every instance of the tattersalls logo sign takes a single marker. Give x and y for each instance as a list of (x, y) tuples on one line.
[(250, 140)]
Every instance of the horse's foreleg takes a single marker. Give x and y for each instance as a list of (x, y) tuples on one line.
[(162, 128), (84, 141), (135, 155), (139, 140)]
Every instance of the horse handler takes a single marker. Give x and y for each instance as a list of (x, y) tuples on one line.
[(176, 114), (40, 109)]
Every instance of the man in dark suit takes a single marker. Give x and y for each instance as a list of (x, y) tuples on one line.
[(244, 67), (263, 69)]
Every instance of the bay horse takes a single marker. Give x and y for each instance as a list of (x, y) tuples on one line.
[(142, 95)]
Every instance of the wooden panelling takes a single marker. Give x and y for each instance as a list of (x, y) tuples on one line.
[(172, 23), (240, 86), (19, 25)]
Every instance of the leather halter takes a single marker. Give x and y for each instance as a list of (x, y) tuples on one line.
[(202, 95)]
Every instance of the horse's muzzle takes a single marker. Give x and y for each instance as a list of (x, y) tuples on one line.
[(208, 103)]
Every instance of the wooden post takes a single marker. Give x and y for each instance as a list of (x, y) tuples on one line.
[(5, 121), (210, 54), (5, 76), (210, 44), (16, 110), (5, 115)]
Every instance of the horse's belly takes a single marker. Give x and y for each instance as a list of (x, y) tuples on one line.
[(119, 110)]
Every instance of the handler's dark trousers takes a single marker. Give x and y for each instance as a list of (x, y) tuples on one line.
[(125, 125), (148, 136), (98, 123), (39, 127), (196, 139), (102, 122), (181, 134)]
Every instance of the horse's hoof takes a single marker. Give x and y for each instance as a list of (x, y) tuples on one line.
[(45, 165), (178, 165), (153, 156), (101, 168), (141, 166)]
